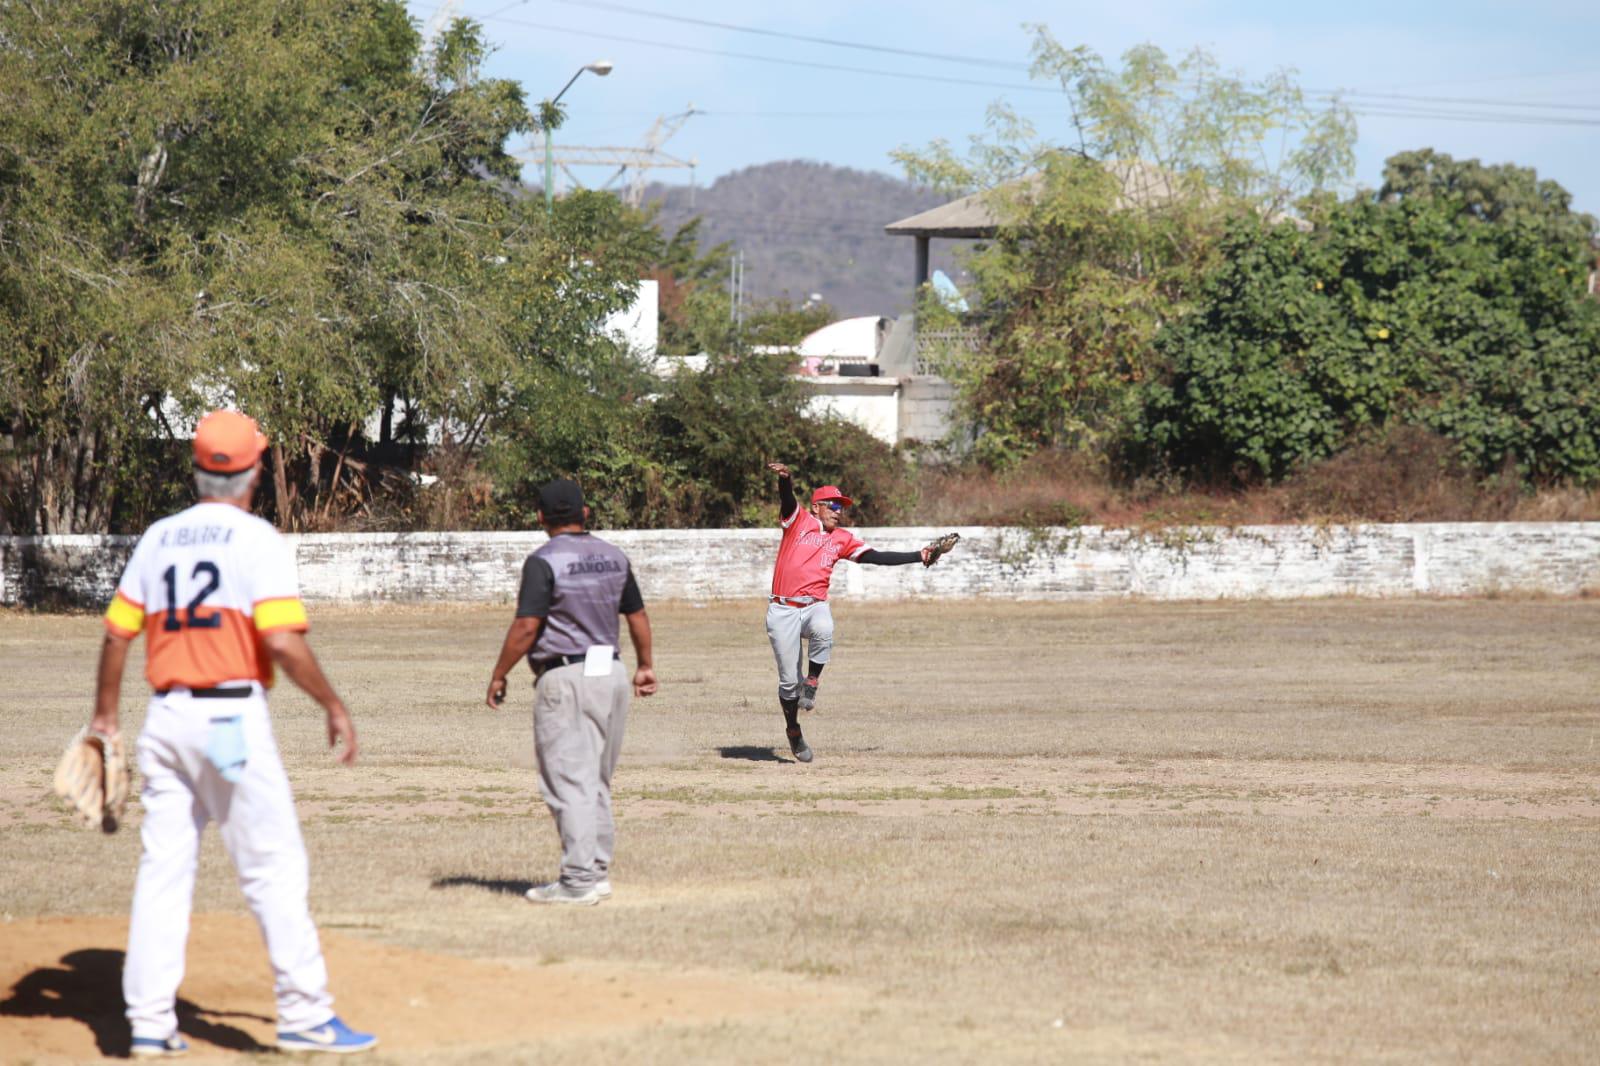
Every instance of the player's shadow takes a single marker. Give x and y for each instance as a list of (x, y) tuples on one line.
[(499, 886), (752, 753), (87, 988)]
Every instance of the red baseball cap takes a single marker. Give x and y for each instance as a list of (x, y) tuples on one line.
[(227, 442), (831, 492)]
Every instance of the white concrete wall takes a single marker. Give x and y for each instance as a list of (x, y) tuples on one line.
[(927, 408), (1270, 562), (871, 403), (637, 326)]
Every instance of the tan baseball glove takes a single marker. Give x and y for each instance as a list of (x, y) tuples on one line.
[(941, 546), (94, 779)]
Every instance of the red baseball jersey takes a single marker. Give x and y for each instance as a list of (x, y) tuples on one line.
[(806, 555)]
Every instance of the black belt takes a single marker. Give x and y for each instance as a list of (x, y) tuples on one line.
[(562, 660), (232, 692)]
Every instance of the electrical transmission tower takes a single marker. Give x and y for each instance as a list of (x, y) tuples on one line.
[(443, 15), (632, 164)]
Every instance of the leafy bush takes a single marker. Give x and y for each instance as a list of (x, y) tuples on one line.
[(715, 431), (692, 454), (1414, 309)]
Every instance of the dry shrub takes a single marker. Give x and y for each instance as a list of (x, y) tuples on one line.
[(1558, 505), (1066, 489), (1048, 489), (1409, 474), (463, 497)]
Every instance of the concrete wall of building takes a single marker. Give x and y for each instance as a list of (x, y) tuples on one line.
[(927, 408), (1269, 562), (871, 403), (898, 356)]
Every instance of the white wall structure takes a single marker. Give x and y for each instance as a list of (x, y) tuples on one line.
[(638, 325), (871, 403), (1089, 563)]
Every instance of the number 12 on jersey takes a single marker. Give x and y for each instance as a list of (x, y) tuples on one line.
[(191, 618)]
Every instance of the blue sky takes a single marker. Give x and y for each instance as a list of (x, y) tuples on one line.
[(1475, 58)]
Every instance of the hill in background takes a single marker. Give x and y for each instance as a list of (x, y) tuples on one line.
[(812, 228)]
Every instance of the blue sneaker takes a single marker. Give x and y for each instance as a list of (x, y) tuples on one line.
[(332, 1036), (149, 1047)]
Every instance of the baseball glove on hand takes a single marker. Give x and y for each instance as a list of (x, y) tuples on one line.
[(93, 778), (941, 546)]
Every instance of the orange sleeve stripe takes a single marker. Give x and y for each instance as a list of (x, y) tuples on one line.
[(124, 616), (280, 614)]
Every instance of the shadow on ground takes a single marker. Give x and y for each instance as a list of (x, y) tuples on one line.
[(499, 886), (87, 988), (752, 753)]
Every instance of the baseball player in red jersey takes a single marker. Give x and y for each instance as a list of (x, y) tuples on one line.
[(797, 610), (215, 593)]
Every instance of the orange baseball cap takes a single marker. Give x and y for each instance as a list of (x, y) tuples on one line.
[(227, 442), (831, 492)]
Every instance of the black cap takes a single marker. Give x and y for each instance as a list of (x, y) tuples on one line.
[(561, 502)]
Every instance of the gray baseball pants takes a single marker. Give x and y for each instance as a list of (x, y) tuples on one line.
[(577, 730), (787, 627)]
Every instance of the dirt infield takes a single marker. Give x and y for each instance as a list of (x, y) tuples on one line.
[(424, 1002), (1132, 832)]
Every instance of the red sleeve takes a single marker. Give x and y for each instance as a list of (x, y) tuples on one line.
[(853, 546)]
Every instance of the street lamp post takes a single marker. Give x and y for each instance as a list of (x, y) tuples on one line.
[(602, 67)]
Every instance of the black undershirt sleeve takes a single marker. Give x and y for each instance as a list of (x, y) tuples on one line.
[(538, 583), (632, 601), (786, 501), (878, 558)]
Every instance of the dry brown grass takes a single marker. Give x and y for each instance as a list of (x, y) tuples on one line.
[(1409, 475), (1313, 832)]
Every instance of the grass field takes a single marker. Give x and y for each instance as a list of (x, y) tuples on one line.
[(1314, 832)]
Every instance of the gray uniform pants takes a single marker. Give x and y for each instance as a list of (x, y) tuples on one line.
[(787, 626), (577, 730)]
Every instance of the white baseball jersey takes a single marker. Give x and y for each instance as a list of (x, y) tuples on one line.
[(203, 585)]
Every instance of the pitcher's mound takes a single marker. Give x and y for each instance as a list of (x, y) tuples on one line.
[(62, 981)]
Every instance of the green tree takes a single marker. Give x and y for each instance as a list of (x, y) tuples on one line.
[(693, 298), (242, 201), (1437, 307), (1503, 193), (1100, 242), (717, 429), (697, 310), (281, 205)]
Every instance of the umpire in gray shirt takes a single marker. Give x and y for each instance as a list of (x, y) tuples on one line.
[(572, 591)]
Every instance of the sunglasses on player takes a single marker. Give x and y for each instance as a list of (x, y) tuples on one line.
[(833, 505)]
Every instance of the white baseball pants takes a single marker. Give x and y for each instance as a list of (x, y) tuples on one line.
[(787, 626), (255, 815)]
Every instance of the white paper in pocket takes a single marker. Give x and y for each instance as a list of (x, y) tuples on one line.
[(597, 663), (226, 748)]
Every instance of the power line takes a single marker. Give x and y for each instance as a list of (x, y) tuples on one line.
[(1369, 103), (948, 57), (1454, 100), (778, 60), (1464, 116), (1012, 65), (1544, 76), (1357, 107)]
